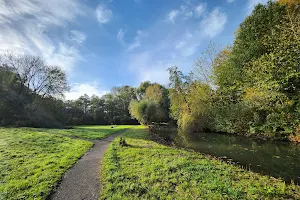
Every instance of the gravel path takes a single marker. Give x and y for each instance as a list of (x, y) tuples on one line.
[(82, 180)]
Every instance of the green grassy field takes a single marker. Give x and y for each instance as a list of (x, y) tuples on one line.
[(147, 170), (88, 132), (33, 160)]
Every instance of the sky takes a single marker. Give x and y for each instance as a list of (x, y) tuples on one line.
[(105, 43)]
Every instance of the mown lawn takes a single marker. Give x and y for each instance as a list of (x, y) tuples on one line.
[(147, 170), (32, 162), (88, 132)]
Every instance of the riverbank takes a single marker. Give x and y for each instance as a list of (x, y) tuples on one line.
[(144, 169)]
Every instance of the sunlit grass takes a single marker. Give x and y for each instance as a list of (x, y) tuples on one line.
[(32, 162), (146, 170), (89, 132)]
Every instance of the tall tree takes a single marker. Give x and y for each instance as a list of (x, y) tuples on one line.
[(34, 74)]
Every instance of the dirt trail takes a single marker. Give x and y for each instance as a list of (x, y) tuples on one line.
[(82, 180)]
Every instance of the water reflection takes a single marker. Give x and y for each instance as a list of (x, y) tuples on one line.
[(275, 158)]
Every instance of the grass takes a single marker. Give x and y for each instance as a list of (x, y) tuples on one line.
[(32, 162), (147, 170), (88, 132)]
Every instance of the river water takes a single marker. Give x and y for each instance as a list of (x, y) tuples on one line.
[(275, 158)]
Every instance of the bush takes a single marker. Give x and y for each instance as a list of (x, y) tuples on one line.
[(232, 118), (146, 111)]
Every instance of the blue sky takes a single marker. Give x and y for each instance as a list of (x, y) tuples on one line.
[(106, 43)]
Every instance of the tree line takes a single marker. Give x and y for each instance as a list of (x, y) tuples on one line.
[(31, 94), (249, 87), (123, 105)]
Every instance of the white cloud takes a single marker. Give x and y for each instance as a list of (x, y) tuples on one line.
[(79, 89), (78, 36), (187, 11), (214, 23), (134, 45), (64, 56), (120, 35), (57, 13), (188, 15), (230, 1), (26, 24), (137, 40), (146, 68), (200, 9), (253, 3), (172, 15), (180, 44), (188, 44), (103, 14)]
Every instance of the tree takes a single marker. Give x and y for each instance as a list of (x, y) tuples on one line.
[(11, 103), (146, 112), (154, 93), (27, 91), (152, 104), (205, 63), (83, 102), (141, 90), (98, 109), (178, 89), (259, 76), (190, 102), (34, 74)]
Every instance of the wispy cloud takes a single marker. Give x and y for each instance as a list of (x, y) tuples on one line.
[(137, 40), (120, 35), (59, 11), (214, 23), (25, 26), (134, 45), (172, 15), (146, 67), (230, 1), (103, 14), (188, 44), (210, 26), (78, 36), (180, 43), (200, 9), (187, 11)]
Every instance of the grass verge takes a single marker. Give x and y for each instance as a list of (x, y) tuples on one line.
[(147, 170), (32, 162), (88, 132)]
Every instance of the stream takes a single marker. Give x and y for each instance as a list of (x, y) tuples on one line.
[(275, 158)]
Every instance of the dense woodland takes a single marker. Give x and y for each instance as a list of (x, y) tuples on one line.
[(249, 87)]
